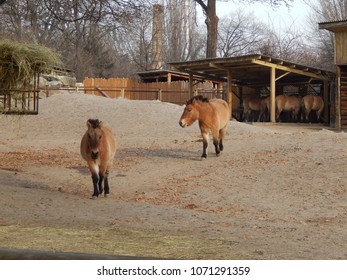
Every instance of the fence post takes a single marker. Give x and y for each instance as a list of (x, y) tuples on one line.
[(159, 97), (122, 92)]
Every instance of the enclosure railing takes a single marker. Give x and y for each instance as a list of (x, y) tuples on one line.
[(19, 101), (175, 96), (27, 102), (165, 95)]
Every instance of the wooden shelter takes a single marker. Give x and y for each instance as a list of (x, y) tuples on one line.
[(154, 76), (258, 71), (339, 28)]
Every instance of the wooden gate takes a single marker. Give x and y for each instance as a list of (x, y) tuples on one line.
[(19, 101)]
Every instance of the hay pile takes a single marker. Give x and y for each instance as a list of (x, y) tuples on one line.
[(20, 62)]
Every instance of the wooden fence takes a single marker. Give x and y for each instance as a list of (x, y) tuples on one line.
[(173, 92), (19, 101)]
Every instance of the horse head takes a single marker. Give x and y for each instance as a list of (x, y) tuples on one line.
[(191, 112), (94, 136)]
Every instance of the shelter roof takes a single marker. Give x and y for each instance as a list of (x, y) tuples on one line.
[(334, 26), (165, 75), (252, 69)]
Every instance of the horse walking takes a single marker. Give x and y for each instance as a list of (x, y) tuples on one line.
[(98, 148), (285, 103), (255, 104), (309, 103), (213, 115)]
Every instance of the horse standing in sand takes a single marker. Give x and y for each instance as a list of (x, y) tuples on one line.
[(98, 148), (255, 104), (286, 103), (213, 115), (309, 103)]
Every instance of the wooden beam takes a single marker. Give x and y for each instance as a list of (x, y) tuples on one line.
[(214, 65), (338, 99), (289, 69), (326, 101), (230, 93), (200, 74), (280, 77), (191, 86), (101, 91), (272, 94)]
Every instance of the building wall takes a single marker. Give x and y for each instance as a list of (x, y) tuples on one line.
[(340, 48)]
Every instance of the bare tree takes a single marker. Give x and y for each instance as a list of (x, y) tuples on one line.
[(136, 41), (285, 44), (85, 25), (78, 29), (183, 37), (322, 41), (240, 33), (25, 21), (209, 9)]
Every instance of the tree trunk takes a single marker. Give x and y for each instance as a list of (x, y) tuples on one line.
[(212, 29)]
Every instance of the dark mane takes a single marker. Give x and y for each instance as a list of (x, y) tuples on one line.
[(94, 122), (197, 98)]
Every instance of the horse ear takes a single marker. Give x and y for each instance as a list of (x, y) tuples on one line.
[(89, 123)]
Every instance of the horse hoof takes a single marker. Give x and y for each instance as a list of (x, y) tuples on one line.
[(106, 195), (94, 197), (218, 154)]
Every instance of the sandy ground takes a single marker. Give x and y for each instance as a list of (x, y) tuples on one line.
[(276, 192)]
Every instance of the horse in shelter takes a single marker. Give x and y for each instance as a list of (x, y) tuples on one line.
[(309, 103), (98, 148), (286, 103), (213, 116), (251, 104)]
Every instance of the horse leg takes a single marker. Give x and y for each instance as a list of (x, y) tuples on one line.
[(101, 179), (307, 115), (204, 144), (302, 116), (107, 187), (261, 113), (295, 115), (319, 113), (95, 179), (94, 170), (216, 139), (247, 113), (221, 137)]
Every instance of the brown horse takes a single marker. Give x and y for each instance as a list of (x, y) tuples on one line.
[(285, 103), (213, 115), (98, 148), (255, 104), (309, 103)]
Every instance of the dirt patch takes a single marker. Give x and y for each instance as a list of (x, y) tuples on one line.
[(276, 192)]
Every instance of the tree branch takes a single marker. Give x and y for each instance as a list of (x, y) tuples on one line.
[(202, 4)]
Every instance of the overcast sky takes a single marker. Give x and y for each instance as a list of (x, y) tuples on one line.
[(280, 17)]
